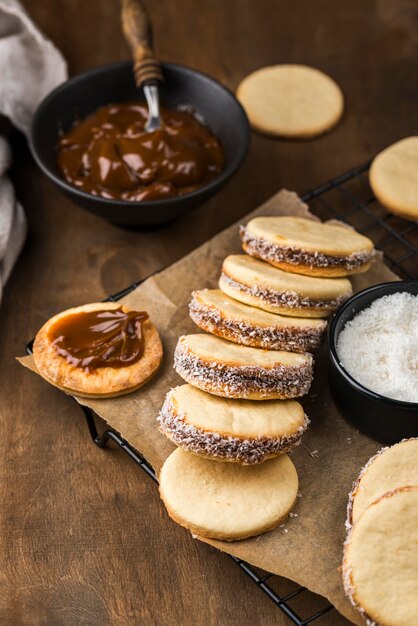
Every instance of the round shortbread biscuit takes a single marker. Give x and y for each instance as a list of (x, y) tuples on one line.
[(244, 431), (291, 101), (103, 382), (227, 501), (393, 177), (215, 312), (389, 469), (233, 371), (380, 571), (306, 246), (259, 284)]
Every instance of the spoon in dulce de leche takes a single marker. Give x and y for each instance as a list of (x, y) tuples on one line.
[(130, 151), (137, 29)]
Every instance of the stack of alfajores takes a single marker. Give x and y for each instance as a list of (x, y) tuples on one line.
[(237, 416)]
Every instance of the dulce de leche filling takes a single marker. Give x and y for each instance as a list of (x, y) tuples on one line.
[(110, 154), (105, 338)]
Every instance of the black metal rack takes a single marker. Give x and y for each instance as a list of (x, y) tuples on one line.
[(348, 198)]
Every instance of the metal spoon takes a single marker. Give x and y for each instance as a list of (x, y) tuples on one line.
[(151, 94), (137, 30)]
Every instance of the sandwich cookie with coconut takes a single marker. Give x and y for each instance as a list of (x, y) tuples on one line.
[(389, 469), (244, 431), (233, 371), (215, 312), (380, 573), (259, 284), (306, 246)]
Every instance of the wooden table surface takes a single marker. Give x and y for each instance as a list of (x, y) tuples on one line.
[(84, 538)]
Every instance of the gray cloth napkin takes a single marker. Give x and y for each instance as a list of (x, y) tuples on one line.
[(30, 66)]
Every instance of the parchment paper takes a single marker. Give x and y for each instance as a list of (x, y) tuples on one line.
[(308, 548)]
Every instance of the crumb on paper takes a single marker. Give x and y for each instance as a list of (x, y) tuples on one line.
[(313, 453), (285, 530), (293, 514), (348, 439), (300, 494)]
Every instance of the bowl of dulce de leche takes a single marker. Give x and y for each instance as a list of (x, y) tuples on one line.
[(88, 136)]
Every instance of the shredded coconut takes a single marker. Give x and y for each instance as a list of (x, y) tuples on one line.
[(379, 347)]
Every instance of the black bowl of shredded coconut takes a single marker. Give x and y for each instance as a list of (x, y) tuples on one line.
[(373, 360)]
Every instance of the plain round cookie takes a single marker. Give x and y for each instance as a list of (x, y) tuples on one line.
[(227, 501), (380, 571), (103, 382), (291, 101), (243, 431), (389, 469), (393, 177)]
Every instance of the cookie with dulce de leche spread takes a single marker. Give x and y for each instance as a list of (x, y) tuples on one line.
[(98, 350)]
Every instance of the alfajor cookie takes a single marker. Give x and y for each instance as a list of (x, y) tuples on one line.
[(227, 369), (244, 431), (380, 571), (304, 246), (393, 177), (291, 101), (227, 501), (261, 285), (98, 350), (215, 312), (389, 469)]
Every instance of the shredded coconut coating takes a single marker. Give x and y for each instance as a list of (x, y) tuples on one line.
[(213, 444), (292, 339), (259, 247), (242, 381), (287, 299)]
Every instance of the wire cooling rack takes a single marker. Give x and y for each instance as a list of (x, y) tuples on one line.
[(350, 199)]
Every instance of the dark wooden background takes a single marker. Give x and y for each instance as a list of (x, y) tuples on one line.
[(84, 538)]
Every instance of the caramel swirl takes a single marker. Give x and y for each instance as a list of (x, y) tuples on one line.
[(110, 154), (105, 338)]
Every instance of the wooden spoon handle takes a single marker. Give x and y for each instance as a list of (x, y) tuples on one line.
[(137, 30)]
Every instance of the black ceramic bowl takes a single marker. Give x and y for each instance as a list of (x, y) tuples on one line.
[(83, 94), (384, 419)]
